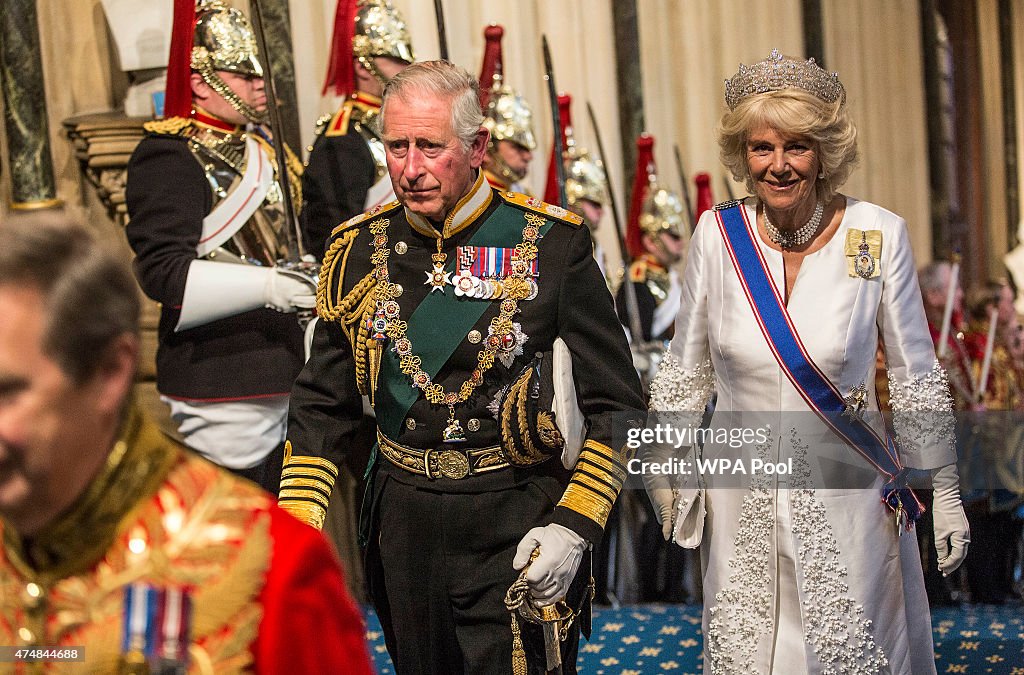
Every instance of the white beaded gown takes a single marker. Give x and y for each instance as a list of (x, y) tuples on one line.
[(807, 573)]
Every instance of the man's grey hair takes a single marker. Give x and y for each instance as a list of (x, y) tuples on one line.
[(90, 297), (439, 79), (934, 276)]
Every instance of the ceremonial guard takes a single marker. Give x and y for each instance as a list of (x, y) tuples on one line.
[(124, 552), (935, 279), (991, 450), (655, 240), (447, 307), (346, 173), (209, 229), (508, 118), (586, 190)]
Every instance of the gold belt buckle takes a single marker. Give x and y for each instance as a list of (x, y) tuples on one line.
[(452, 464)]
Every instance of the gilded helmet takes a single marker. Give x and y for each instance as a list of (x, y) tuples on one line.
[(507, 115), (364, 29), (223, 40), (585, 178), (381, 31), (662, 211), (653, 209)]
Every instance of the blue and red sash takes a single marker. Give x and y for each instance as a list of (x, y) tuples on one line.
[(814, 387)]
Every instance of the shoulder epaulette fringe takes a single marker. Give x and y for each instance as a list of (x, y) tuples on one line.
[(727, 205), (321, 124), (171, 126), (541, 207), (638, 271)]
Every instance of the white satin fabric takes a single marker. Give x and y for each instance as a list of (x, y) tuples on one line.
[(809, 580)]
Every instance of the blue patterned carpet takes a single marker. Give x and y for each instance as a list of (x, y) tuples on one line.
[(666, 639)]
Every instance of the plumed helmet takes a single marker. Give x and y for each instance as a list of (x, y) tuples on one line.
[(380, 30), (224, 40), (507, 115), (585, 179), (509, 118), (364, 29), (662, 211)]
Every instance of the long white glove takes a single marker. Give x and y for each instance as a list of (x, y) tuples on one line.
[(215, 290), (551, 574), (660, 489), (288, 291), (952, 533)]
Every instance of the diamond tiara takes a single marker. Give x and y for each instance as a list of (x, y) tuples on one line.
[(779, 72)]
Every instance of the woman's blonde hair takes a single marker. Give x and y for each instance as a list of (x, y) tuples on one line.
[(792, 112)]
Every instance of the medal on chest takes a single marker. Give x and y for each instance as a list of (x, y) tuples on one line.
[(864, 262), (505, 338)]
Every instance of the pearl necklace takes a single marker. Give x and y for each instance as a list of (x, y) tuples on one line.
[(797, 237)]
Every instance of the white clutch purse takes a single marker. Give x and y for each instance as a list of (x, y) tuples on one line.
[(690, 512), (568, 416)]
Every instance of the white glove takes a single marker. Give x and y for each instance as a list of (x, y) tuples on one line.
[(551, 574), (659, 487), (288, 291), (952, 533), (216, 290)]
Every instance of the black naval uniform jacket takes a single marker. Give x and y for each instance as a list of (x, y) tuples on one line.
[(248, 355), (572, 303), (340, 170)]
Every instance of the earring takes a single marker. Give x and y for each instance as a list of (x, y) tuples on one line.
[(821, 173)]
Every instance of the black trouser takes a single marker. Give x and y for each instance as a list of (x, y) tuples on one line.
[(266, 474), (439, 566)]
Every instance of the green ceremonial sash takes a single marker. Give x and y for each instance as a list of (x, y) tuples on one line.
[(439, 324)]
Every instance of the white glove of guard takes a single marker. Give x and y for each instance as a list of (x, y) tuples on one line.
[(288, 291), (952, 533), (551, 574), (660, 489)]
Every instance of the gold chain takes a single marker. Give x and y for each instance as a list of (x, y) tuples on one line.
[(388, 316)]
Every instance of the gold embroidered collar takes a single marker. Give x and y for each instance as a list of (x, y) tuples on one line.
[(134, 469), (465, 212)]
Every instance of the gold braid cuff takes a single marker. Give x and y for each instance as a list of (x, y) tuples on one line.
[(306, 485), (595, 483)]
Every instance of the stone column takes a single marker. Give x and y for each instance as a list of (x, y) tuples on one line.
[(21, 80)]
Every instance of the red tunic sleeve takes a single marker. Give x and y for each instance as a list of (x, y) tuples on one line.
[(310, 623)]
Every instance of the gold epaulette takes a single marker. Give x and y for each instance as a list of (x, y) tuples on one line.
[(547, 210), (596, 481), (363, 217), (727, 205), (320, 127), (306, 485), (171, 126), (638, 271), (338, 123)]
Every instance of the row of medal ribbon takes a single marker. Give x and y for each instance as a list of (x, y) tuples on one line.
[(470, 286)]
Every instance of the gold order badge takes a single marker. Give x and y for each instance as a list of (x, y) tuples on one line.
[(453, 464), (387, 322)]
